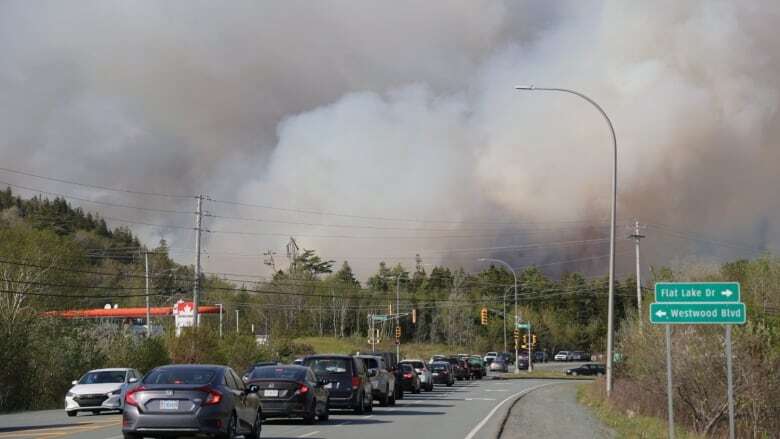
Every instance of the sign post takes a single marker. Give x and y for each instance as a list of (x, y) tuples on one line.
[(698, 303)]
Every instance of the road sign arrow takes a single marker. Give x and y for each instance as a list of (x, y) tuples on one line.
[(727, 293), (660, 313)]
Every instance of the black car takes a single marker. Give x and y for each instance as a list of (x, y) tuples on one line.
[(289, 392), (588, 369), (476, 370), (442, 373), (346, 379), (459, 368), (410, 381), (191, 400), (245, 376)]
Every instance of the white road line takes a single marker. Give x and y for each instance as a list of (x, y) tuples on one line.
[(369, 416), (309, 434), (484, 421), (496, 390)]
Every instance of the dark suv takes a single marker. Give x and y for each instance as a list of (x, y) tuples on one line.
[(346, 379)]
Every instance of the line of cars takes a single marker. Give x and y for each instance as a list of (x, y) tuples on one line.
[(214, 400)]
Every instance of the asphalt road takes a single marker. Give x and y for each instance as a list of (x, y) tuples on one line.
[(468, 410)]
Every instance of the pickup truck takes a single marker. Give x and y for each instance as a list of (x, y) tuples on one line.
[(382, 381)]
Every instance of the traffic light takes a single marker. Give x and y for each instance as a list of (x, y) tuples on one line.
[(414, 316), (397, 332), (484, 316)]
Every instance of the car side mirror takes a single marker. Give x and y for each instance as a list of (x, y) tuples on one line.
[(74, 382), (322, 382), (253, 388), (245, 379), (132, 380)]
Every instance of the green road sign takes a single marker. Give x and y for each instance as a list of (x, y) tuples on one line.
[(380, 318), (523, 326), (697, 313), (690, 292)]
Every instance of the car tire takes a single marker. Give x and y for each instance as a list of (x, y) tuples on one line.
[(385, 400), (131, 436), (400, 394), (310, 417), (361, 405), (231, 428), (72, 413), (324, 417), (256, 428), (391, 399)]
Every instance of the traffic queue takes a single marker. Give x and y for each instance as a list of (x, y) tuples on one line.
[(187, 399)]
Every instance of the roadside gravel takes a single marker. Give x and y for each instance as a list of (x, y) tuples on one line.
[(553, 412)]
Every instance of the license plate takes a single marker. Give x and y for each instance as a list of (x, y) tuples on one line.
[(435, 374), (273, 393), (169, 405), (329, 386)]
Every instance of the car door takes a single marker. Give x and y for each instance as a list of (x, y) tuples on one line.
[(236, 387)]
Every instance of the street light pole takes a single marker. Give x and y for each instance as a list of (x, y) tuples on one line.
[(148, 311), (398, 315), (512, 270), (611, 306)]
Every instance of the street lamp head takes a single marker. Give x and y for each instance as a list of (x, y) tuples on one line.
[(525, 87)]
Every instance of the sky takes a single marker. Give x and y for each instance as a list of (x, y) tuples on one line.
[(375, 131)]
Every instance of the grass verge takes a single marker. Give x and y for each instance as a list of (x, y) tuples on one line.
[(625, 424)]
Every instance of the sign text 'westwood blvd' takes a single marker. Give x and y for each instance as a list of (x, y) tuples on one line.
[(698, 313), (710, 292)]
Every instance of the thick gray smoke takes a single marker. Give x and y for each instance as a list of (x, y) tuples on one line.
[(405, 110)]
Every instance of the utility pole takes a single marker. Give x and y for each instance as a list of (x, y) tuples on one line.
[(637, 237), (398, 315), (148, 311), (196, 288), (220, 319), (236, 321)]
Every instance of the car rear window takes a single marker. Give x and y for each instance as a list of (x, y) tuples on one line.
[(103, 377), (324, 366), (405, 367), (282, 373), (417, 364), (371, 363), (181, 375), (439, 366)]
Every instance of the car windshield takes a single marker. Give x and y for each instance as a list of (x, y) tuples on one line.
[(563, 353), (328, 365), (371, 363), (103, 377), (181, 375), (282, 373)]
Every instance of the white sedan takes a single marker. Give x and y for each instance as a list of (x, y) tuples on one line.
[(99, 390)]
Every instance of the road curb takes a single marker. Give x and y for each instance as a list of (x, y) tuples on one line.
[(563, 378), (512, 406)]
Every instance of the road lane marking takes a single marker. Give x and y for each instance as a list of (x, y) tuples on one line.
[(496, 390), (480, 399), (369, 416), (303, 435), (484, 421)]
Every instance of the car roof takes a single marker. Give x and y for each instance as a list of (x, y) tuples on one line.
[(193, 366), (111, 369), (411, 359), (328, 356), (285, 366)]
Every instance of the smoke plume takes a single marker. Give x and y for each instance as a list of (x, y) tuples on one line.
[(402, 118)]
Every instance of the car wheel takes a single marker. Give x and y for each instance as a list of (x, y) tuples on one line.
[(310, 417), (131, 436), (72, 413), (326, 414), (391, 400), (385, 400), (257, 427), (400, 394), (231, 430), (361, 405)]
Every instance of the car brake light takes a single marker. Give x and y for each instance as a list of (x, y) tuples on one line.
[(355, 382), (302, 389), (407, 375), (213, 397), (130, 396)]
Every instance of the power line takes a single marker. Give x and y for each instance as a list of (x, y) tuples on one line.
[(99, 203), (93, 186)]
